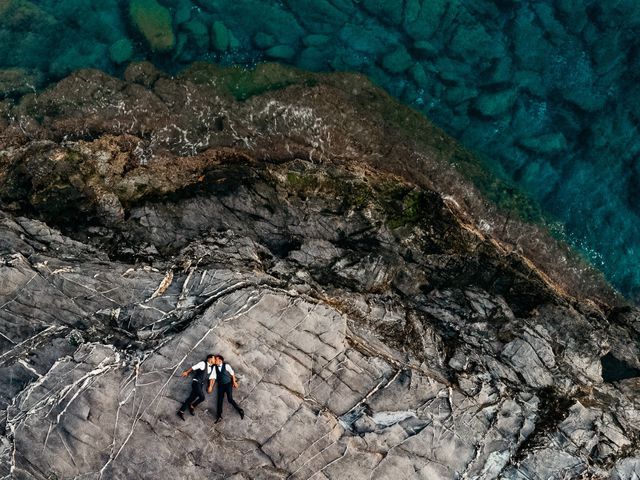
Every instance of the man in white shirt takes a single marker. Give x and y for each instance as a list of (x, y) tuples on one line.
[(224, 376), (202, 371)]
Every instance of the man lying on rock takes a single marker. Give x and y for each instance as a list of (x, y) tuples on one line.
[(224, 376), (203, 370)]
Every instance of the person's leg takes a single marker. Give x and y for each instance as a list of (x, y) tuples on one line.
[(200, 398), (232, 401), (194, 394), (220, 394), (187, 403)]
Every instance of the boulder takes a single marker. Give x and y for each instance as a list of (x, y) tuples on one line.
[(423, 19), (387, 11), (315, 40), (550, 143), (198, 33), (397, 61), (494, 104), (154, 22), (281, 52), (121, 51), (264, 40), (473, 43), (220, 36)]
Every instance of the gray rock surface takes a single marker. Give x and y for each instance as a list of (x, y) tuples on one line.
[(377, 331)]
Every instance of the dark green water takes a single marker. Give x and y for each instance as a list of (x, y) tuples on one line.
[(548, 91)]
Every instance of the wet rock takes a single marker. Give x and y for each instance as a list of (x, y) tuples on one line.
[(281, 52), (457, 95), (199, 34), (315, 40), (220, 36), (397, 61), (366, 39), (121, 51), (313, 59), (143, 73), (495, 104), (425, 48), (18, 81), (264, 40), (21, 15), (387, 11), (418, 74), (473, 41), (154, 22), (183, 10), (548, 143), (532, 50), (554, 29), (423, 19)]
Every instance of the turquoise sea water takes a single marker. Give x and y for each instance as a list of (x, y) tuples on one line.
[(547, 91)]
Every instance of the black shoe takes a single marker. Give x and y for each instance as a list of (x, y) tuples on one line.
[(219, 419), (192, 410), (181, 414), (241, 412)]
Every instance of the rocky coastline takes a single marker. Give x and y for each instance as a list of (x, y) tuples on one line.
[(386, 319)]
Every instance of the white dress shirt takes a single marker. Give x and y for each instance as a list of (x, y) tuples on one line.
[(202, 365), (227, 367)]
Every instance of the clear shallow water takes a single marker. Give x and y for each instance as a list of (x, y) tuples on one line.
[(547, 91)]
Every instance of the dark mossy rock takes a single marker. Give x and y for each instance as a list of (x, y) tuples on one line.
[(367, 39), (313, 59), (264, 40), (18, 81), (121, 51), (387, 10), (144, 73), (532, 49), (198, 34), (397, 61), (281, 52), (495, 104), (243, 83), (315, 40), (154, 22), (548, 143), (220, 36), (423, 19), (473, 43)]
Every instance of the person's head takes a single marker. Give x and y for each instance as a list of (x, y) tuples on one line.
[(219, 359), (211, 359)]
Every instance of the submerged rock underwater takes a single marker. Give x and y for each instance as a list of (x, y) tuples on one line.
[(385, 319), (547, 91)]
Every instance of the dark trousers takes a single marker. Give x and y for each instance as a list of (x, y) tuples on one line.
[(197, 396), (222, 389)]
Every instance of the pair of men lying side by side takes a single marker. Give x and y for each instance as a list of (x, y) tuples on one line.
[(219, 374)]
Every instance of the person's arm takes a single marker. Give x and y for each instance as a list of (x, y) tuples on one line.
[(197, 366), (234, 381), (212, 379)]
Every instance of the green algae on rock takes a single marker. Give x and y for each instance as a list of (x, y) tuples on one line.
[(154, 22), (22, 15), (18, 81)]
